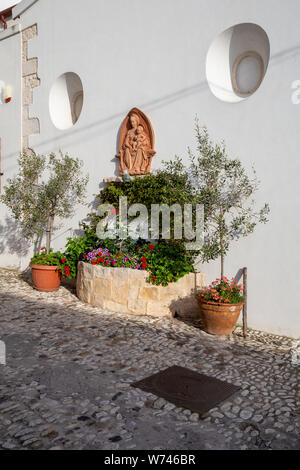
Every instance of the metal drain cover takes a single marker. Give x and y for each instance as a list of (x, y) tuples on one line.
[(186, 388)]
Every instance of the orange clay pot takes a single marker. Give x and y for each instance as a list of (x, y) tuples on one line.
[(45, 278), (219, 319)]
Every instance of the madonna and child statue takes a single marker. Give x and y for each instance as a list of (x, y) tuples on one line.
[(136, 144)]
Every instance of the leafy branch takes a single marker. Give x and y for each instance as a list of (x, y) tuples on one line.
[(45, 188)]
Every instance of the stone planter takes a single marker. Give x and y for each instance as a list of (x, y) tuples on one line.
[(128, 291)]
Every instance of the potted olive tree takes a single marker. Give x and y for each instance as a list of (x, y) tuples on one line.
[(45, 188), (226, 191)]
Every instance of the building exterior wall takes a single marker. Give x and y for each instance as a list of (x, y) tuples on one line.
[(11, 140), (152, 55)]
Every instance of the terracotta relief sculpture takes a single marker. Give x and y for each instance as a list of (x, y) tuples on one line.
[(136, 144)]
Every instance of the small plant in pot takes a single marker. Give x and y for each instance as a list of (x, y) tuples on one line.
[(220, 306), (226, 192), (47, 270), (45, 189)]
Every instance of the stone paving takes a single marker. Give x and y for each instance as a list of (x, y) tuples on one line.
[(66, 384)]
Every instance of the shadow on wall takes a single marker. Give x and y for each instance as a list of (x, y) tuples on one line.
[(102, 126), (161, 102), (94, 203), (12, 240)]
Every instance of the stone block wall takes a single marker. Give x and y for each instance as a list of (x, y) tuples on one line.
[(30, 80), (128, 291)]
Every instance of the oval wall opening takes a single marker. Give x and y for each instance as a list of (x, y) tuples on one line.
[(66, 100), (237, 61)]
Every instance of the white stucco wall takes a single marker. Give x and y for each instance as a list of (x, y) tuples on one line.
[(10, 133), (152, 55)]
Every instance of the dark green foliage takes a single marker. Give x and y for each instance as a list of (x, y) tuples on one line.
[(168, 186), (167, 262), (75, 247), (48, 259)]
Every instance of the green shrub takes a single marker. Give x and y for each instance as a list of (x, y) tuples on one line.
[(75, 247), (166, 262), (168, 186), (49, 259)]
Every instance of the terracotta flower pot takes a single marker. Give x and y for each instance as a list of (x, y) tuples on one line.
[(219, 319), (45, 278)]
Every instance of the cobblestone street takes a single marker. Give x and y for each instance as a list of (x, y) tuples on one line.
[(66, 384)]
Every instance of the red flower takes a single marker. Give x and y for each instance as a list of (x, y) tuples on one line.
[(151, 247), (144, 265), (43, 248), (143, 259), (153, 278), (93, 262), (63, 260), (138, 247)]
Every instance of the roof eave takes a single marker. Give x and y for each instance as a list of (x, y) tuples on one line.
[(22, 7)]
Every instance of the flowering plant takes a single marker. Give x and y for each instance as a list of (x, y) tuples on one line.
[(103, 257), (167, 262), (223, 291), (51, 259)]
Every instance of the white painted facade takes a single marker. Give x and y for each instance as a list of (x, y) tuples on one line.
[(152, 55)]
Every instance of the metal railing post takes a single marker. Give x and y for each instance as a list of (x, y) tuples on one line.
[(245, 304)]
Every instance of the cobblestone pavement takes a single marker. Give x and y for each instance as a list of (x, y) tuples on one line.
[(66, 384)]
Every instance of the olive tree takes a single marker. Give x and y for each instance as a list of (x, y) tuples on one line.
[(45, 188), (226, 191)]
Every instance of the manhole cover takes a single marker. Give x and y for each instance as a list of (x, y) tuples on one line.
[(186, 388)]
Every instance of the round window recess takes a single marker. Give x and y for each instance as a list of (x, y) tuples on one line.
[(66, 100), (237, 62)]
